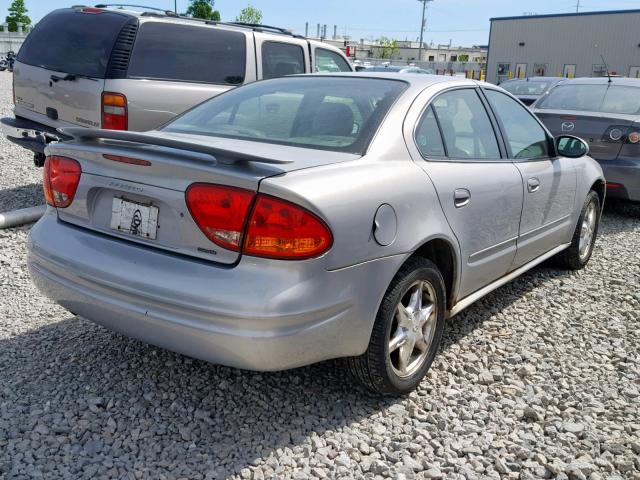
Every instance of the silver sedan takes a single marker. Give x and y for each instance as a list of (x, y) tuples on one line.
[(296, 220)]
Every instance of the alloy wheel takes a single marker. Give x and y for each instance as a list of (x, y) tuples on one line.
[(413, 329)]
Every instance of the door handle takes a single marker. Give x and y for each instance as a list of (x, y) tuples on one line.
[(461, 197), (533, 185)]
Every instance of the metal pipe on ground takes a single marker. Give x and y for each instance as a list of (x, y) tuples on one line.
[(20, 217)]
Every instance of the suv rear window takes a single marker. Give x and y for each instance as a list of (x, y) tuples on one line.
[(71, 41), (188, 53)]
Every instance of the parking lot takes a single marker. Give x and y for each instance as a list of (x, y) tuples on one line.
[(540, 379)]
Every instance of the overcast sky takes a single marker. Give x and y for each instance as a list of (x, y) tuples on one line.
[(464, 22)]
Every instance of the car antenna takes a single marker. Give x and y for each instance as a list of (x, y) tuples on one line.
[(606, 67)]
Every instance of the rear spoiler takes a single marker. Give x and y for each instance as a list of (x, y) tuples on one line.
[(88, 134)]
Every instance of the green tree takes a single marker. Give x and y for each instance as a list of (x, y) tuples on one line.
[(386, 48), (17, 14), (203, 9), (250, 15), (463, 58)]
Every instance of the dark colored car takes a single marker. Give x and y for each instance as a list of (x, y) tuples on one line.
[(606, 114), (528, 90)]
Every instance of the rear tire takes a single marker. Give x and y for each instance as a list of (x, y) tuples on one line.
[(406, 333), (579, 252)]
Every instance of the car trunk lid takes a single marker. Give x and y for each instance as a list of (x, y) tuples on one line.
[(122, 175), (597, 129)]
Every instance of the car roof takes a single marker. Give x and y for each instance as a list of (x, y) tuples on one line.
[(421, 81), (536, 79), (633, 82)]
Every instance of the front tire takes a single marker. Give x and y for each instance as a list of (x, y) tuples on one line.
[(406, 333), (579, 252)]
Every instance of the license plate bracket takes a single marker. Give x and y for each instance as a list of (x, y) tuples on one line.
[(134, 218)]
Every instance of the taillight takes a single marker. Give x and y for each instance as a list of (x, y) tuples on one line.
[(618, 134), (61, 176), (276, 228), (129, 160), (91, 10), (220, 212), (114, 111), (281, 229)]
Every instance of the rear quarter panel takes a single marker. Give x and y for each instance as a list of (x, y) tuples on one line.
[(348, 195)]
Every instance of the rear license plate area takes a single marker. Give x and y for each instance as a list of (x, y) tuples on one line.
[(134, 218)]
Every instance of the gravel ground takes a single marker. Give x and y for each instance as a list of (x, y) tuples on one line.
[(540, 379)]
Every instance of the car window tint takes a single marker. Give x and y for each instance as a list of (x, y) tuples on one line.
[(574, 97), (428, 138), (524, 135), (621, 99), (280, 59), (465, 125), (328, 61), (191, 53), (70, 41), (328, 113), (524, 87)]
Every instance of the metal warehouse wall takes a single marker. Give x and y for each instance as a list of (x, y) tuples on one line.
[(557, 41)]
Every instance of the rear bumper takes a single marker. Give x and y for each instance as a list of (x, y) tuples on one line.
[(258, 315), (625, 174), (28, 134)]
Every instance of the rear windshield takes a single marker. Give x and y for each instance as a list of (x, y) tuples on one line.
[(525, 88), (594, 98), (328, 113), (74, 42), (188, 53)]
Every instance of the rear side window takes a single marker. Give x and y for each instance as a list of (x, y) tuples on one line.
[(188, 53), (466, 128), (280, 59), (428, 136), (328, 61), (71, 41)]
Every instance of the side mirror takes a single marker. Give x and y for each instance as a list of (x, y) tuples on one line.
[(571, 147)]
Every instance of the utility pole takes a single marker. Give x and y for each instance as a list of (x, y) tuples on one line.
[(175, 6), (578, 6), (424, 11)]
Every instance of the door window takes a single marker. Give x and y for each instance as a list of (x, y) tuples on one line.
[(428, 138), (523, 134), (328, 61), (466, 128), (280, 59), (188, 53)]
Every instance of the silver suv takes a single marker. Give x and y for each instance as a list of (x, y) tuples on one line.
[(118, 69)]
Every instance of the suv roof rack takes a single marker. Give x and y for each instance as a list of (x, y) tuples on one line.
[(169, 13), (157, 12), (263, 28)]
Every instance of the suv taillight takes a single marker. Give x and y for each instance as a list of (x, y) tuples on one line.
[(114, 111), (281, 229), (275, 228), (61, 176)]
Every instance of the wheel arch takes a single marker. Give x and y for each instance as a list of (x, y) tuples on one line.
[(600, 187), (443, 253)]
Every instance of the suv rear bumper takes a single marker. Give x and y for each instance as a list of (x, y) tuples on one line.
[(28, 134), (259, 315)]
